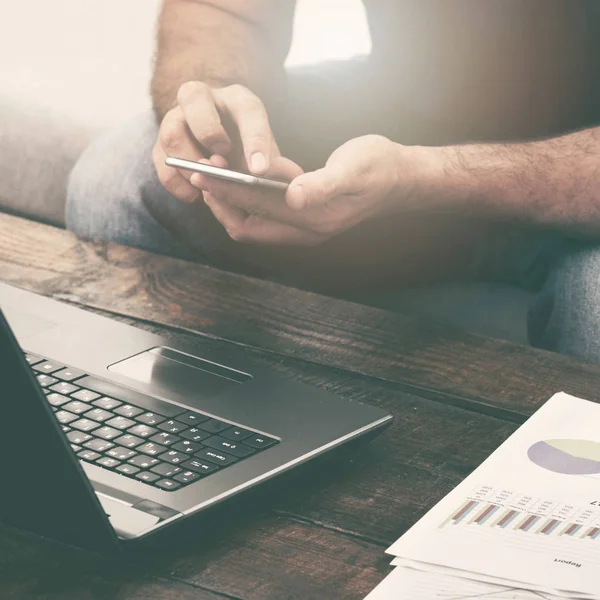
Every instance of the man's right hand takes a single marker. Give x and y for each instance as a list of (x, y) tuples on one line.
[(228, 125)]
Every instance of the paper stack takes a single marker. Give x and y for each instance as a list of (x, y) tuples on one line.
[(524, 525)]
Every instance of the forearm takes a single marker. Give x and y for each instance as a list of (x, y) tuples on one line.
[(553, 183), (221, 43)]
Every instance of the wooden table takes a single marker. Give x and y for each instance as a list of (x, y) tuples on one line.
[(455, 396)]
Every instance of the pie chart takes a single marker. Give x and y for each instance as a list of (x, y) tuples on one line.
[(570, 457)]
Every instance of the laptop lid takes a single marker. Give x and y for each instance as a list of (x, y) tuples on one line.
[(44, 490)]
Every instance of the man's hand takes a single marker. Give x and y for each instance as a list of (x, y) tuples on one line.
[(229, 124), (365, 177)]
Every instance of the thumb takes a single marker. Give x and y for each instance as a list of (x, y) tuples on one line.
[(315, 188)]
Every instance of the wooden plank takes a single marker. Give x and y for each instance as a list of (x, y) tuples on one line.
[(283, 558), (470, 370), (323, 536), (35, 570), (261, 559)]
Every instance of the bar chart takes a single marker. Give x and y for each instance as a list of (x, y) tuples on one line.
[(501, 509)]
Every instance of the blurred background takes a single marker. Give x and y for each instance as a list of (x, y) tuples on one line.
[(91, 60)]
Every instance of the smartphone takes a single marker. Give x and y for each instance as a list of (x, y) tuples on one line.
[(227, 174)]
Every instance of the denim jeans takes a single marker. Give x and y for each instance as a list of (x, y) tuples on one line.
[(114, 194)]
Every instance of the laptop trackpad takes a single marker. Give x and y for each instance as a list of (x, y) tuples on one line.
[(188, 375)]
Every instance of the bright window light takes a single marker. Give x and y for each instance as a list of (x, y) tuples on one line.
[(329, 30)]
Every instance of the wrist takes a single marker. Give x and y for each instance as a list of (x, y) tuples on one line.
[(423, 178)]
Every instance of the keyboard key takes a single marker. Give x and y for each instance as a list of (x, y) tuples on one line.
[(260, 441), (173, 457), (164, 438), (129, 441), (166, 470), (107, 433), (78, 437), (85, 395), (127, 410), (147, 476), (151, 449), (107, 403), (77, 407), (46, 381), (85, 425), (127, 469), (150, 418), (194, 434), (98, 414), (199, 466), (120, 422), (88, 455), (65, 417), (172, 426), (143, 462), (187, 477), (68, 374), (64, 388), (121, 453), (167, 484), (214, 426), (187, 447), (191, 418), (219, 443), (57, 399), (108, 462), (236, 434), (75, 447), (48, 367), (142, 430), (108, 388), (65, 428), (215, 456), (98, 445), (33, 359)]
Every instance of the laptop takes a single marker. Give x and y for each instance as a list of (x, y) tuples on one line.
[(112, 435)]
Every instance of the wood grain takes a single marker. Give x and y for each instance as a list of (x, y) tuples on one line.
[(322, 533), (483, 374)]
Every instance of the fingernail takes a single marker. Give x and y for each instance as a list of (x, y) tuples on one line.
[(258, 162), (296, 197)]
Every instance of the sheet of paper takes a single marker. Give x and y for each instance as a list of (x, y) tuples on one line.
[(495, 581), (410, 584), (531, 512)]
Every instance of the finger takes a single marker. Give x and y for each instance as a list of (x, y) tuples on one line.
[(256, 230), (243, 195), (218, 161), (317, 188), (284, 169), (197, 105), (250, 117), (258, 201), (175, 140), (172, 179)]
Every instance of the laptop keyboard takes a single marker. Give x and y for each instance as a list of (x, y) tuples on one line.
[(137, 436)]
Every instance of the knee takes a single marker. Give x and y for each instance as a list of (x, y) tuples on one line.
[(565, 315), (103, 192)]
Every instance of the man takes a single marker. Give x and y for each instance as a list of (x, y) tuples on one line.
[(446, 153)]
